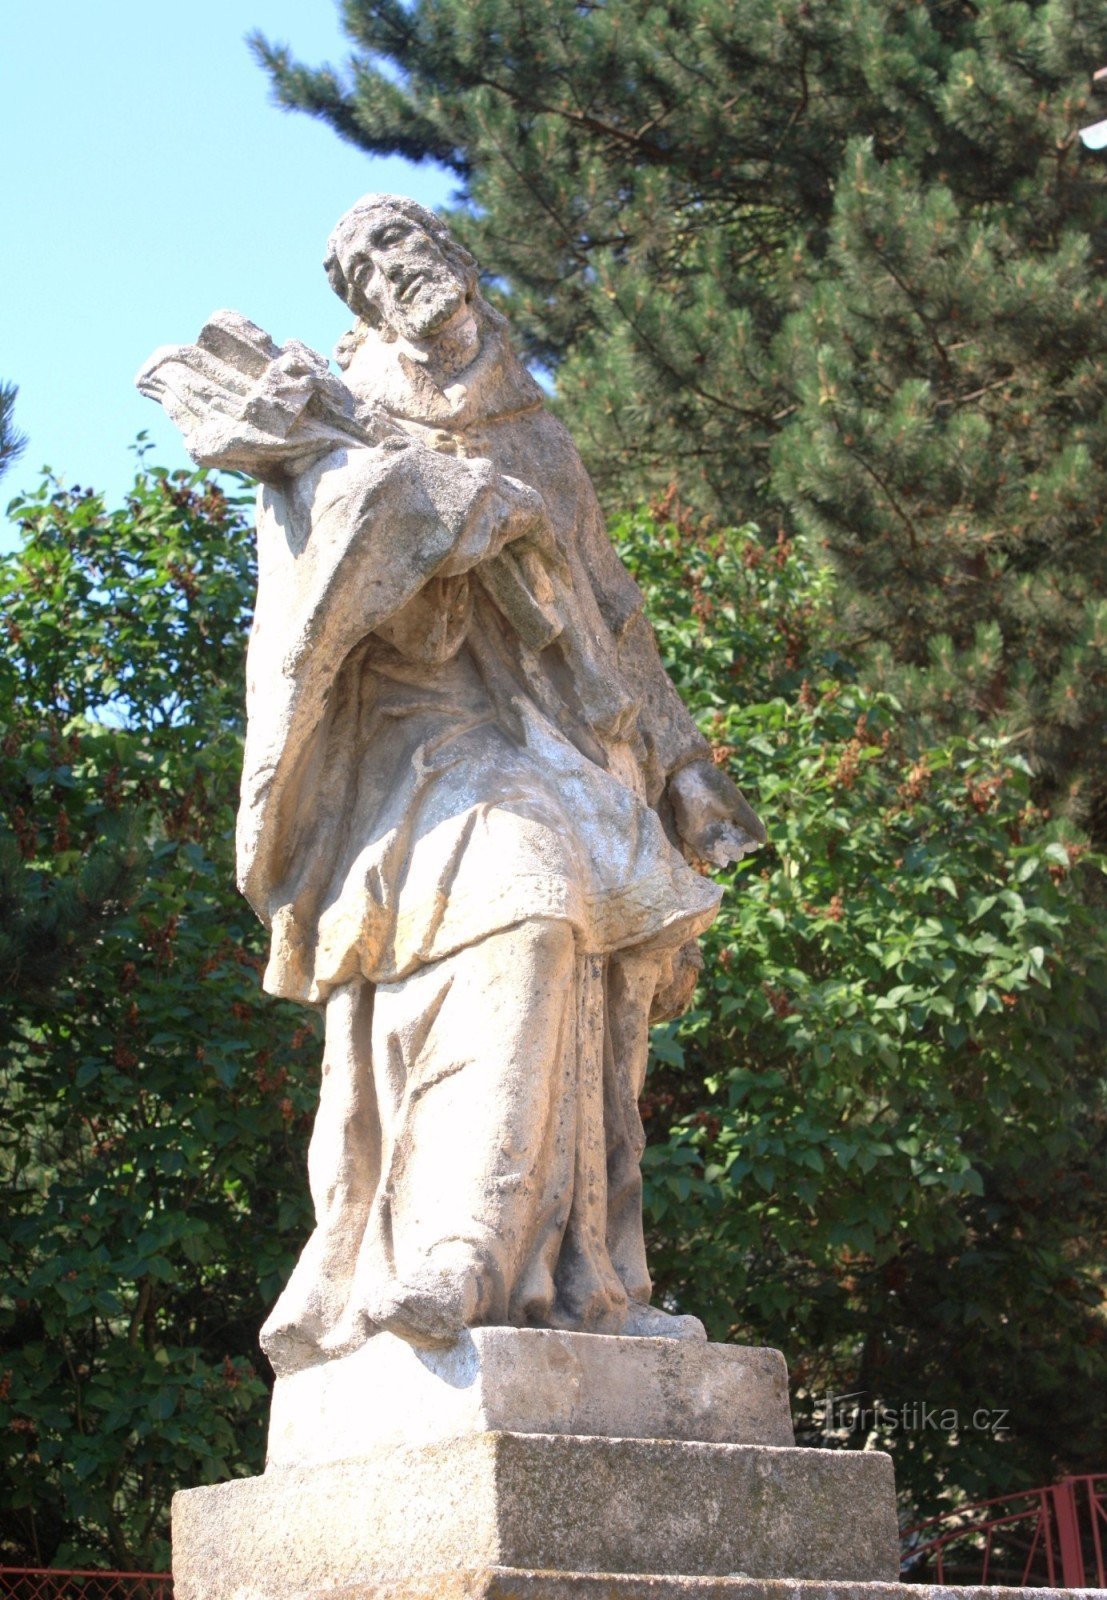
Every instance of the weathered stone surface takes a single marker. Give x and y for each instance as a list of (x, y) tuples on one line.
[(529, 1380), (545, 1502), (503, 1583), (472, 807)]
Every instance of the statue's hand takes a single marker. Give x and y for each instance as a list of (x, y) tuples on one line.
[(520, 561), (247, 404), (510, 514), (525, 516), (712, 815)]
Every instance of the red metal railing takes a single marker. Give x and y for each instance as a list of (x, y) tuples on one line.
[(1055, 1535), (61, 1583)]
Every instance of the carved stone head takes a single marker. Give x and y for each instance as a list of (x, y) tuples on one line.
[(395, 265)]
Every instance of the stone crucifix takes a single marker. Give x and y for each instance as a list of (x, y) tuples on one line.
[(473, 807)]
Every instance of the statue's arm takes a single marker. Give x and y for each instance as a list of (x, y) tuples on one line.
[(712, 816), (245, 404), (697, 798), (353, 540)]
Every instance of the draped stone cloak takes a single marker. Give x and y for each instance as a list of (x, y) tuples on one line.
[(460, 740), (446, 737)]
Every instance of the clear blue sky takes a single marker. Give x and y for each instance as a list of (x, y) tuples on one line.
[(147, 181)]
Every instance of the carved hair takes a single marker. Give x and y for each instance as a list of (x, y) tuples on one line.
[(346, 248)]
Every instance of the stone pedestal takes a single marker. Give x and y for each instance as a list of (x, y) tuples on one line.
[(535, 1465), (529, 1380)]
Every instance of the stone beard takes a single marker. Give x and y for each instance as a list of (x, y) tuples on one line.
[(473, 808)]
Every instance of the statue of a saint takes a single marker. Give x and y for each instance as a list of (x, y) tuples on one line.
[(473, 807)]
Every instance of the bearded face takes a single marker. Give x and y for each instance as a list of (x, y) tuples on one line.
[(402, 271)]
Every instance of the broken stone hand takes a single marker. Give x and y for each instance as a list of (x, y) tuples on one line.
[(712, 815)]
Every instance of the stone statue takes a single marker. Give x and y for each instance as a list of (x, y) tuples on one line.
[(475, 814)]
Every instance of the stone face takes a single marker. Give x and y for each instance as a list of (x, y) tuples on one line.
[(473, 807), (529, 1380), (545, 1502)]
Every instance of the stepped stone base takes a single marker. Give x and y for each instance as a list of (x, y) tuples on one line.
[(529, 1380), (533, 1465), (538, 1501), (505, 1583)]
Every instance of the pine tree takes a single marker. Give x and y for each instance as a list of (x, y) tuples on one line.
[(12, 443), (952, 368), (833, 266)]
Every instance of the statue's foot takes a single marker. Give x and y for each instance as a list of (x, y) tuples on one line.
[(300, 1333), (291, 1343), (649, 1322), (431, 1308)]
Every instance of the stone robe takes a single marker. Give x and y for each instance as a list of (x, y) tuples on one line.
[(454, 820)]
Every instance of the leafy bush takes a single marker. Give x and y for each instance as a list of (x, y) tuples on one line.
[(874, 1141), (879, 1133), (152, 1150)]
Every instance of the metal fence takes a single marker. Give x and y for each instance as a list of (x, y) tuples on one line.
[(1055, 1536), (59, 1583)]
